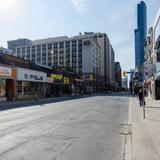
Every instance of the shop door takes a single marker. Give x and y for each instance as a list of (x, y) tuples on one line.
[(157, 90), (10, 89)]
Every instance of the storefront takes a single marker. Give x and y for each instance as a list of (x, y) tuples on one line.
[(49, 85), (7, 83), (156, 58), (30, 82), (89, 83), (61, 85)]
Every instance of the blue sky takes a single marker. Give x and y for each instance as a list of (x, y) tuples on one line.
[(36, 19)]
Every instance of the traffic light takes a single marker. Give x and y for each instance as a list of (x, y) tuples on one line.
[(124, 74)]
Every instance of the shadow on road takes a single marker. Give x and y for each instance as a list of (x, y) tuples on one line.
[(42, 102)]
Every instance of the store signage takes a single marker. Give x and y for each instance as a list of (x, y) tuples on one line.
[(88, 77), (5, 71), (66, 80), (49, 80), (31, 75), (57, 77)]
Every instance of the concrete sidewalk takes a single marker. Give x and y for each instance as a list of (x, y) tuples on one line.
[(145, 132)]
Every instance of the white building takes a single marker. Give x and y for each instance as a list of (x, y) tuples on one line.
[(82, 54), (155, 83), (156, 39), (6, 51), (152, 59), (103, 41), (91, 57), (72, 52)]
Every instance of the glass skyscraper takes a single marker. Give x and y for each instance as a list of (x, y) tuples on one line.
[(140, 33)]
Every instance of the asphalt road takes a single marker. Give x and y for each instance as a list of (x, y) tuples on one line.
[(90, 128)]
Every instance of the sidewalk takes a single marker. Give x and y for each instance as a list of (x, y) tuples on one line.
[(145, 132)]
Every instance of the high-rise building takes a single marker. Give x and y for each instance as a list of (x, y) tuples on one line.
[(82, 54), (89, 52), (70, 52), (112, 66), (140, 33), (103, 41), (19, 42), (118, 74)]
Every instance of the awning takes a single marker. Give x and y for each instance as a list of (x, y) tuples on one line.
[(78, 80)]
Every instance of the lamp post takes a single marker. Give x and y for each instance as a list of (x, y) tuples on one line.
[(63, 69)]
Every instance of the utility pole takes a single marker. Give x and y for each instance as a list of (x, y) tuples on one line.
[(144, 104)]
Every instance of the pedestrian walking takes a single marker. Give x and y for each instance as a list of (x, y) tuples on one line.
[(135, 91), (36, 97), (141, 97)]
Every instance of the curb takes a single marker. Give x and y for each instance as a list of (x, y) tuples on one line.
[(27, 103), (128, 138)]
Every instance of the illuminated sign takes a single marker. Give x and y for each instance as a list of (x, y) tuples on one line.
[(31, 75), (57, 77), (5, 71)]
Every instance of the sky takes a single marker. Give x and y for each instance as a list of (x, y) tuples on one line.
[(36, 19)]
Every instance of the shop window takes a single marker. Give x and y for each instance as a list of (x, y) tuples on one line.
[(158, 57), (29, 88), (19, 88)]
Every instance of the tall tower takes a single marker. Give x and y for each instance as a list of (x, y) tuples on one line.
[(140, 33)]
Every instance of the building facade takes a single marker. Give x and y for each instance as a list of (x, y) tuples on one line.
[(148, 64), (7, 83), (75, 52), (140, 33), (125, 83), (118, 75), (70, 53), (112, 66), (148, 47), (156, 57), (19, 42), (103, 41), (91, 57), (6, 51), (152, 59)]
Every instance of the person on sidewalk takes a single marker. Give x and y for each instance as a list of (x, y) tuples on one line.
[(36, 97), (135, 91), (141, 97)]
